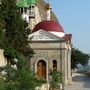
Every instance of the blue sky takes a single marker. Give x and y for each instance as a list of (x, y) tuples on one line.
[(74, 16)]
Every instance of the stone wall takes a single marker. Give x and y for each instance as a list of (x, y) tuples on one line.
[(49, 51), (3, 61)]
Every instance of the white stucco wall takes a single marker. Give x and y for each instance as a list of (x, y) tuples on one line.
[(3, 61), (37, 19)]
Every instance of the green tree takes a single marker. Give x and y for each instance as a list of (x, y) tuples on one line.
[(78, 57), (15, 33), (55, 80), (2, 35), (21, 78), (16, 49)]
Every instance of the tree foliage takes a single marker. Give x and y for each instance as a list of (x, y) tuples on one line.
[(13, 39), (56, 79), (78, 57), (21, 78), (14, 26), (2, 35)]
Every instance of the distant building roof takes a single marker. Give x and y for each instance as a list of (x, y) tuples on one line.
[(25, 3)]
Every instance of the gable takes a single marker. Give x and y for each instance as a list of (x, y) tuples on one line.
[(42, 35)]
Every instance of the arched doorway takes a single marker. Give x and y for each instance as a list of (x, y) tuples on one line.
[(41, 69)]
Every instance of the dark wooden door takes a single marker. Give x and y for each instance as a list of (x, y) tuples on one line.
[(41, 69)]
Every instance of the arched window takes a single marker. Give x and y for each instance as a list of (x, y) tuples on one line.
[(54, 65)]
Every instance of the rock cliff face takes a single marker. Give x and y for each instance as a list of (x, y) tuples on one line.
[(41, 5)]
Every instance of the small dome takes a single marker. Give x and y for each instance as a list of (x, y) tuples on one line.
[(50, 26)]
